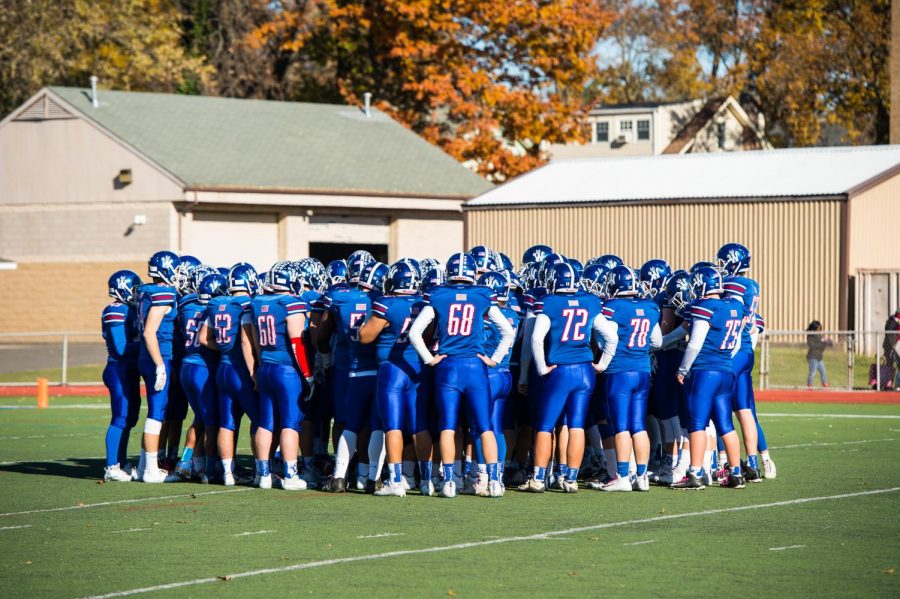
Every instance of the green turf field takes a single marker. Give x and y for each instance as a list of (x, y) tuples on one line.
[(829, 525)]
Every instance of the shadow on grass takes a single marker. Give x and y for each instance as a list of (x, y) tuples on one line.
[(83, 468)]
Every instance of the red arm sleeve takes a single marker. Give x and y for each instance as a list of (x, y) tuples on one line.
[(301, 355)]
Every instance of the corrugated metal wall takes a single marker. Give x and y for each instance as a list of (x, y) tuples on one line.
[(795, 244)]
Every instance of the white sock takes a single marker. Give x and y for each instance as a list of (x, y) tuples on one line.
[(376, 455), (227, 465), (632, 465), (707, 460), (594, 438), (150, 464), (290, 468), (482, 468), (764, 454), (343, 453)]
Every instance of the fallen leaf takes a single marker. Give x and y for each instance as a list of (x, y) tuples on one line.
[(573, 573), (451, 593), (101, 482), (193, 496), (225, 578), (595, 538), (89, 526), (890, 571), (28, 562)]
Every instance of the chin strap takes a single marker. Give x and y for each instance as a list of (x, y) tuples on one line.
[(301, 355)]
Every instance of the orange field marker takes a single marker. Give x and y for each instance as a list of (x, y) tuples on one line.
[(43, 393)]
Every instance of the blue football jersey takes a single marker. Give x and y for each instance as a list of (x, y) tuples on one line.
[(340, 345), (492, 334), (393, 343), (225, 315), (120, 332), (532, 296), (459, 315), (571, 326), (311, 298), (747, 291), (191, 316), (350, 307), (634, 319), (269, 315), (152, 295), (725, 318)]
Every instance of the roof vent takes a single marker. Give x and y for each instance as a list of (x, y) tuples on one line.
[(44, 108), (95, 100), (368, 106)]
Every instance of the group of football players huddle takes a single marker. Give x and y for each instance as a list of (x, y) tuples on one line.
[(464, 377)]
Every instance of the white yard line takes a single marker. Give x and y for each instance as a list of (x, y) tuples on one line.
[(851, 416), (258, 532), (381, 535), (788, 547), (639, 543), (121, 501), (130, 530), (470, 545), (15, 527), (825, 443)]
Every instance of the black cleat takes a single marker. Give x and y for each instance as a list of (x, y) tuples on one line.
[(751, 474), (372, 486), (735, 481), (335, 485), (689, 482)]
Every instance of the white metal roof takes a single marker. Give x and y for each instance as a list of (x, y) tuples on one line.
[(806, 172)]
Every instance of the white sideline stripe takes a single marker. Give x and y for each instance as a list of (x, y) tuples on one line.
[(258, 532), (120, 501), (15, 527), (501, 540), (853, 416), (788, 547), (638, 543), (130, 530), (823, 444), (381, 535), (74, 406)]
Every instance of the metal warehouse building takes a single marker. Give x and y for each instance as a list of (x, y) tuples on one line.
[(93, 183), (822, 224)]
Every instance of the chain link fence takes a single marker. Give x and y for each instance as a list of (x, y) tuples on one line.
[(844, 360)]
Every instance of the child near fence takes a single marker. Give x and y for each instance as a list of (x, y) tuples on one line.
[(815, 353)]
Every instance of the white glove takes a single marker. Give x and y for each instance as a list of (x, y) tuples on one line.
[(311, 386), (160, 382)]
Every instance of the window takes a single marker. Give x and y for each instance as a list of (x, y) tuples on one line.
[(602, 131), (625, 126), (643, 128)]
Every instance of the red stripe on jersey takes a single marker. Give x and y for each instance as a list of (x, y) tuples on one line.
[(114, 317), (732, 286), (379, 309), (696, 309), (538, 307), (607, 311), (296, 308)]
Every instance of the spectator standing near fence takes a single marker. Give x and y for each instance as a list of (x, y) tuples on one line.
[(816, 343), (891, 347)]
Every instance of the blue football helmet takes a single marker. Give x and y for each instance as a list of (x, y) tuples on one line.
[(678, 290), (190, 261), (505, 262), (162, 265), (546, 265), (536, 254), (372, 276), (414, 262), (427, 264), (461, 268), (356, 264), (243, 277), (336, 272), (122, 286), (433, 278), (212, 285), (653, 276), (701, 264), (621, 281), (485, 259), (281, 277), (593, 277), (577, 266), (195, 276), (706, 280), (514, 282), (311, 273), (402, 279), (610, 261), (561, 279), (733, 259), (497, 282)]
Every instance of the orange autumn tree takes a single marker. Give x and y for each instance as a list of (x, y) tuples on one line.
[(490, 82)]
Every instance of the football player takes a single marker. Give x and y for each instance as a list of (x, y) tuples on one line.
[(715, 337), (458, 310), (564, 321), (734, 260), (628, 376), (284, 375), (156, 314), (400, 403), (121, 376)]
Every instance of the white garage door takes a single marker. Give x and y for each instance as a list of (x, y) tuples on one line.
[(223, 238)]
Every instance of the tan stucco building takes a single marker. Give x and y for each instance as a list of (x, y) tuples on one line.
[(90, 187), (822, 224)]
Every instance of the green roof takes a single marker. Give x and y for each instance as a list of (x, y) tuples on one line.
[(210, 142)]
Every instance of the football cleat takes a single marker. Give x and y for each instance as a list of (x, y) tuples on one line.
[(532, 485), (482, 488), (265, 482), (751, 474), (427, 488), (372, 486), (409, 482), (159, 476), (515, 477), (311, 478), (570, 486), (361, 483), (733, 481), (391, 490), (114, 473), (690, 482), (769, 468), (294, 483), (183, 469), (448, 489), (494, 489), (228, 479), (335, 485), (664, 476), (621, 484), (641, 483)]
